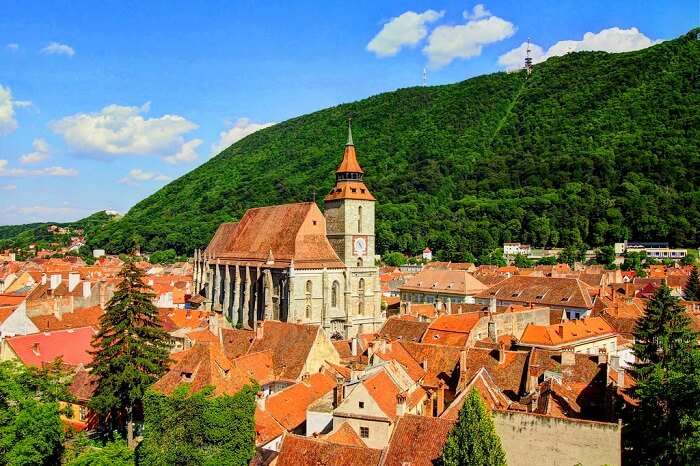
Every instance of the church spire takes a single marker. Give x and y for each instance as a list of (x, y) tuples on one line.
[(350, 143)]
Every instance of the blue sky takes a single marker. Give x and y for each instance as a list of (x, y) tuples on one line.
[(101, 103)]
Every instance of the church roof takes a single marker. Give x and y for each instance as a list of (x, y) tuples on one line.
[(350, 190), (290, 232), (349, 163)]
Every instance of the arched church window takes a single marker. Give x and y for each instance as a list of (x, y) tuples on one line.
[(308, 311), (359, 219), (359, 262), (335, 291), (361, 299), (309, 286)]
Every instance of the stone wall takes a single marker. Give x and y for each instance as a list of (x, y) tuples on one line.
[(534, 439)]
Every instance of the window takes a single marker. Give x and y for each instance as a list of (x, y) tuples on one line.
[(359, 219), (308, 311), (361, 293), (309, 287), (361, 404), (334, 294), (364, 432)]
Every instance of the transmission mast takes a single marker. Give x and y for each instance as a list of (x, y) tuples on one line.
[(528, 58), (424, 81)]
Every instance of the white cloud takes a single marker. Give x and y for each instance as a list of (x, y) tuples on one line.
[(14, 214), (139, 176), (56, 48), (405, 30), (7, 113), (479, 11), (612, 40), (22, 103), (12, 47), (186, 154), (5, 171), (447, 43), (8, 187), (119, 130), (40, 153), (242, 128)]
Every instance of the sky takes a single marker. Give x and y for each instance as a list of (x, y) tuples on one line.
[(103, 103)]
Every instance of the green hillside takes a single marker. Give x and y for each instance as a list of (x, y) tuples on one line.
[(592, 148)]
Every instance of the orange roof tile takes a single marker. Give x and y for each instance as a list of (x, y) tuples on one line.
[(384, 392), (417, 441), (451, 329), (298, 451), (565, 333), (266, 428), (83, 317), (258, 366), (289, 406), (456, 282), (345, 435)]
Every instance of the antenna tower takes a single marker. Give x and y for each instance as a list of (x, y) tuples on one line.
[(425, 77), (528, 58)]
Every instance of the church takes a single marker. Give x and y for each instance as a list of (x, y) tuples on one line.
[(296, 264)]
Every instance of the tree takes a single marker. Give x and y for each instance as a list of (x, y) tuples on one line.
[(31, 431), (691, 291), (665, 427), (394, 259), (473, 440), (198, 428), (548, 260), (131, 351), (521, 261), (493, 257), (113, 453), (605, 255)]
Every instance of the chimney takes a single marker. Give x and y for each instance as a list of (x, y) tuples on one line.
[(449, 305), (87, 289), (55, 281), (615, 364), (441, 398), (492, 304), (259, 331), (401, 404), (501, 353), (462, 360), (338, 391), (353, 346), (73, 280), (305, 377), (260, 398), (370, 351), (492, 333), (568, 358), (35, 349), (602, 356)]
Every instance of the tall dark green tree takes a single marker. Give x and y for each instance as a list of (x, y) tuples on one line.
[(691, 291), (131, 351), (665, 427), (473, 441)]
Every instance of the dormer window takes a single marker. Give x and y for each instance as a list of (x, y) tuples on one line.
[(186, 376)]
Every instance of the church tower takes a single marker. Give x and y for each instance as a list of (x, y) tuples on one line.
[(349, 211)]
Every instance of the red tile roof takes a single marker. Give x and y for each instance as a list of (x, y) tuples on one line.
[(200, 366), (562, 292), (345, 435), (567, 332), (290, 345), (73, 346), (266, 428), (396, 328), (289, 406), (299, 451), (451, 329), (455, 282), (291, 231), (258, 366), (84, 317), (417, 441), (384, 392)]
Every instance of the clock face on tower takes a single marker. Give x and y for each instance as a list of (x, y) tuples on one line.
[(359, 245)]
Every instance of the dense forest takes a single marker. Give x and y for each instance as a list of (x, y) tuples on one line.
[(592, 148)]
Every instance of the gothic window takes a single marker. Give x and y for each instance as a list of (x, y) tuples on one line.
[(308, 311), (308, 288), (307, 296), (334, 294), (359, 219), (359, 262)]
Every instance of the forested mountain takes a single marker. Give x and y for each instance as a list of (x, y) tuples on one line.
[(592, 148)]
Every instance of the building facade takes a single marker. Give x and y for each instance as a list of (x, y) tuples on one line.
[(294, 263)]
